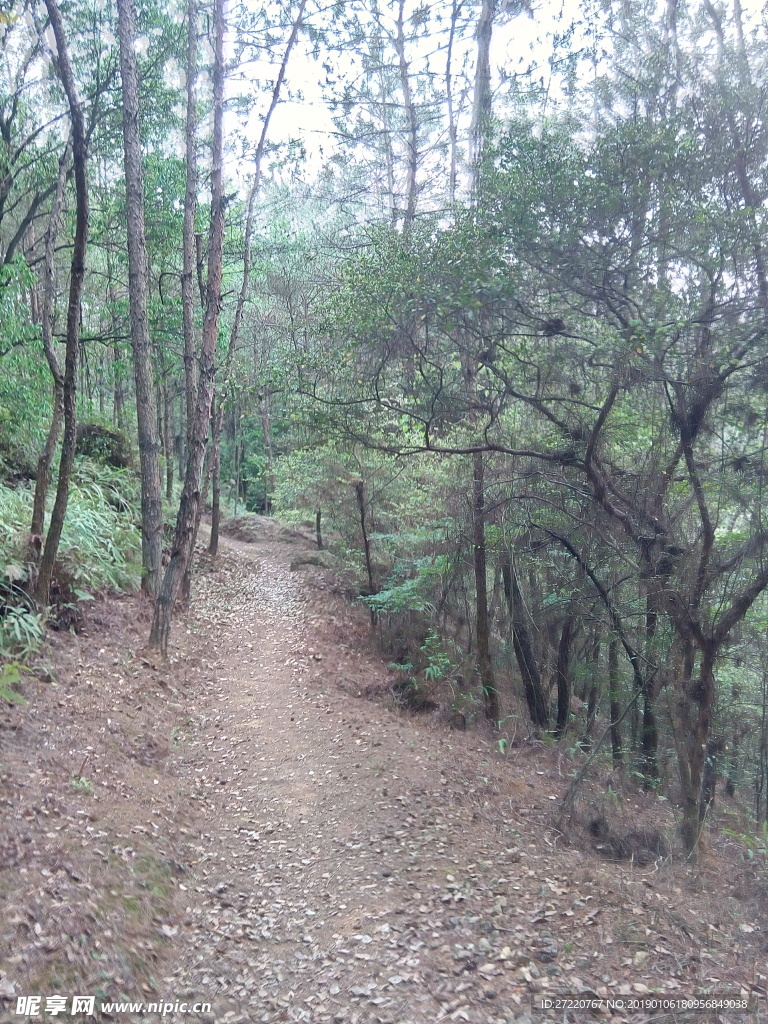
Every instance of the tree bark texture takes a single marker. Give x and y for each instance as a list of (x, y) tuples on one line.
[(613, 698), (138, 273), (76, 280), (452, 133), (318, 529), (483, 626), (482, 105), (563, 676), (168, 439), (213, 545), (189, 258), (46, 322), (412, 162), (361, 507)]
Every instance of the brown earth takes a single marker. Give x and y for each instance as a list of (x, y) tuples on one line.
[(255, 825)]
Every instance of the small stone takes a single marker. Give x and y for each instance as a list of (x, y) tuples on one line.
[(547, 955)]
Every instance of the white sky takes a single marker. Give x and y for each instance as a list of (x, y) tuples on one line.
[(519, 43)]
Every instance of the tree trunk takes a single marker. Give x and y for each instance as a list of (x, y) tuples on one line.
[(482, 621), (213, 545), (592, 690), (318, 530), (613, 697), (481, 108), (138, 272), (526, 660), (563, 676), (238, 472), (452, 132), (360, 496), (269, 478), (77, 277), (45, 461), (693, 715), (168, 440), (649, 738), (189, 261), (118, 395), (189, 505), (412, 162)]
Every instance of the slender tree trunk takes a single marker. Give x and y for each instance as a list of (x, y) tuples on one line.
[(318, 530), (189, 261), (452, 131), (181, 441), (482, 105), (269, 477), (761, 794), (168, 440), (213, 546), (101, 385), (483, 627), (46, 321), (138, 272), (360, 496), (238, 464), (649, 737), (189, 505), (563, 676), (76, 279), (44, 463), (613, 697), (118, 395), (593, 689), (412, 161), (526, 660), (694, 714)]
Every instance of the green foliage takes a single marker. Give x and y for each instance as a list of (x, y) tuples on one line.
[(25, 407), (82, 785), (755, 843), (10, 677), (16, 328), (21, 633), (438, 661), (104, 444), (101, 543), (413, 593), (100, 547)]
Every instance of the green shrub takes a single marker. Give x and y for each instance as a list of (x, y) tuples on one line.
[(100, 549), (104, 445), (10, 677)]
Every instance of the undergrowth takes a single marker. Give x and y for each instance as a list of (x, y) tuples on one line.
[(100, 550)]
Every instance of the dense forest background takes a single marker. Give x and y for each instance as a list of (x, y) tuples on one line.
[(476, 289)]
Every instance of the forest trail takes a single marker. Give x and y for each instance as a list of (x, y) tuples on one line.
[(241, 826), (338, 869)]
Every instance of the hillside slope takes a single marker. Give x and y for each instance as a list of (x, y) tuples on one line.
[(243, 827)]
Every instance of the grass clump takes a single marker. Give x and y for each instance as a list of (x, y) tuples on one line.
[(100, 550)]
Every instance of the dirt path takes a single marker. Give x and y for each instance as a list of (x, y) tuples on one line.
[(332, 890), (241, 826)]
